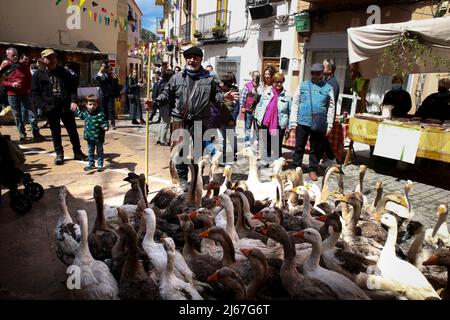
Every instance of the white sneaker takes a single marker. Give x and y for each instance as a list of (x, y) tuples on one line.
[(327, 163)]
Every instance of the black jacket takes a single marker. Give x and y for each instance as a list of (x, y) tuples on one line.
[(133, 86), (401, 100), (177, 91), (435, 106), (42, 89), (109, 86)]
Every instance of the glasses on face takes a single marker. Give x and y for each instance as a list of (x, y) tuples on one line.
[(278, 82)]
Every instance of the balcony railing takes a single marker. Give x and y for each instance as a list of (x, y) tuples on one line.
[(214, 25), (185, 32)]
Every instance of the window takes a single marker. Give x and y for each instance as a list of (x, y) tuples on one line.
[(228, 65), (272, 49)]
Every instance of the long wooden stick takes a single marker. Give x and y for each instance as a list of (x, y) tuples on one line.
[(147, 125)]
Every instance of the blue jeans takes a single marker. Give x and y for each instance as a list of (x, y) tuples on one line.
[(249, 120), (92, 144), (21, 106)]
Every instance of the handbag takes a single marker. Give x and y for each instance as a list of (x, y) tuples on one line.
[(317, 119)]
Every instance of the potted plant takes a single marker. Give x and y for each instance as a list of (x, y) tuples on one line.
[(197, 34), (218, 30)]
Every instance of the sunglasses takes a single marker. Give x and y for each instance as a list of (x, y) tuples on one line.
[(278, 82)]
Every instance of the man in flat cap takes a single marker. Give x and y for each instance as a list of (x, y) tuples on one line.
[(190, 94), (312, 116), (54, 89)]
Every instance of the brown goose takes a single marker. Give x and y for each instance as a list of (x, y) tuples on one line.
[(102, 237), (231, 280), (242, 267), (441, 258), (296, 284), (135, 283), (202, 265)]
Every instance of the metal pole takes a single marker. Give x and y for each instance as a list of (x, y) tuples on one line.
[(147, 125)]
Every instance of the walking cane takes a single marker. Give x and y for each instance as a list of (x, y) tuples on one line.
[(147, 125)]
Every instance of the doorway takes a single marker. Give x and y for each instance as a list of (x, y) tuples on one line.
[(271, 54)]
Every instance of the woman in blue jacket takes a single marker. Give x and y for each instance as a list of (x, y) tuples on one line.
[(272, 115), (312, 117)]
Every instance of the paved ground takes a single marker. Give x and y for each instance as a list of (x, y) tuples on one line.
[(28, 262)]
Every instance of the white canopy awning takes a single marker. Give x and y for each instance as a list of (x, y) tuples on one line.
[(366, 44)]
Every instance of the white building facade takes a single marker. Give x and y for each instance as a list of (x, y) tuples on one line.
[(255, 34)]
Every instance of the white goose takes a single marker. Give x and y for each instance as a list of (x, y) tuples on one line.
[(227, 182), (410, 280), (439, 234), (403, 210), (344, 288), (261, 190), (67, 233), (97, 282), (171, 287), (156, 253)]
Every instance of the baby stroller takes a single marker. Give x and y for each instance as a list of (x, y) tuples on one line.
[(11, 177)]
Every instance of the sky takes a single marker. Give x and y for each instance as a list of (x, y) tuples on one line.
[(150, 12)]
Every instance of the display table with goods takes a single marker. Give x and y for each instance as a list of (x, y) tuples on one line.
[(431, 138)]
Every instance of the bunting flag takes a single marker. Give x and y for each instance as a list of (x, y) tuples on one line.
[(84, 9), (115, 23), (94, 4), (100, 19), (58, 2), (81, 3), (104, 10), (95, 16), (69, 2), (90, 14)]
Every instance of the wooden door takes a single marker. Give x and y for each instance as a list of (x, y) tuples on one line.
[(270, 62)]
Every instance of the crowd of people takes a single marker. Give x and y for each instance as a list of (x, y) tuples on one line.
[(183, 97)]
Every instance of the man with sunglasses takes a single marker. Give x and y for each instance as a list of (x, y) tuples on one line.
[(312, 117)]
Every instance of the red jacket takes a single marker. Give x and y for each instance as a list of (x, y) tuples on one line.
[(21, 75)]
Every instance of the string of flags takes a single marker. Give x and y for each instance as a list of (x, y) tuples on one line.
[(102, 17)]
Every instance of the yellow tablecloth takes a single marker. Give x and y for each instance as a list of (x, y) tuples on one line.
[(434, 143)]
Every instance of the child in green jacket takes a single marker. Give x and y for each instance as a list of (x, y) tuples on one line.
[(95, 125)]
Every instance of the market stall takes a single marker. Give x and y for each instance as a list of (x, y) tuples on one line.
[(409, 137), (433, 142)]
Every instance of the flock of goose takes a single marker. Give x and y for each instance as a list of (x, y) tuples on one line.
[(247, 239)]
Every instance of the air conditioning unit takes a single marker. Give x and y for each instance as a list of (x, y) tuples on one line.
[(259, 9)]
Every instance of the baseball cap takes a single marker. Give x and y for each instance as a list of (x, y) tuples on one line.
[(317, 67)]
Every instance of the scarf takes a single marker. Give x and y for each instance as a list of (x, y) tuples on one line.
[(271, 116), (196, 75)]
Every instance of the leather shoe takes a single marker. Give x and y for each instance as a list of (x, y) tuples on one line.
[(134, 121), (80, 156), (59, 160), (142, 121), (313, 176)]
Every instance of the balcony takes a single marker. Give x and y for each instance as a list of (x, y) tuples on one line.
[(185, 32), (214, 25)]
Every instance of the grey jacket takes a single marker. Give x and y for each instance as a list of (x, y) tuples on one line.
[(179, 88)]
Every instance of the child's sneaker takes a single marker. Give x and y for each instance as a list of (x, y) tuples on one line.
[(89, 167), (100, 168)]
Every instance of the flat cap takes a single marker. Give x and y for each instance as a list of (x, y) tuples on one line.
[(193, 51), (317, 67), (47, 52)]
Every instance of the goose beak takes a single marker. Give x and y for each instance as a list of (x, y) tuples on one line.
[(204, 234), (258, 215), (294, 190), (213, 277), (193, 214), (298, 234), (246, 252), (321, 218), (433, 260)]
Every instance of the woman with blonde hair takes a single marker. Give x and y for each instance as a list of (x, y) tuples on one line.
[(272, 115)]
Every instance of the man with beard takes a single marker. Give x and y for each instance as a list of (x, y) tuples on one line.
[(190, 93)]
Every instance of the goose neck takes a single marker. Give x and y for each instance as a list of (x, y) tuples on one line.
[(86, 254), (389, 246), (260, 271), (314, 258), (440, 226), (228, 258), (151, 227), (330, 242), (325, 186), (416, 247)]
